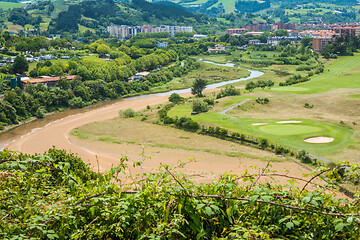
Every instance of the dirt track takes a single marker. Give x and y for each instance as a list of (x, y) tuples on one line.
[(57, 132)]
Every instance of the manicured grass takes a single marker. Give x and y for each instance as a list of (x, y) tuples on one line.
[(10, 5), (291, 135), (183, 110), (233, 100), (288, 129), (342, 73)]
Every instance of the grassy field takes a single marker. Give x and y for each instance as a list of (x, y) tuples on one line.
[(13, 27), (342, 73), (82, 29), (135, 132), (219, 58), (10, 5), (291, 135), (229, 5), (209, 72), (333, 114)]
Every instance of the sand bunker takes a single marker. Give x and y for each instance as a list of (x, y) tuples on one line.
[(257, 124), (319, 140), (289, 122)]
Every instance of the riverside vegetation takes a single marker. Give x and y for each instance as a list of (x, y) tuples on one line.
[(57, 196)]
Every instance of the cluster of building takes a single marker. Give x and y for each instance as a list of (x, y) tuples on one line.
[(126, 32), (320, 37)]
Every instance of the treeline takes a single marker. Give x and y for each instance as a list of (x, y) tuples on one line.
[(182, 123), (294, 80), (188, 124), (101, 83)]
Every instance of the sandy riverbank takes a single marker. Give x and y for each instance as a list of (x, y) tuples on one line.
[(105, 156)]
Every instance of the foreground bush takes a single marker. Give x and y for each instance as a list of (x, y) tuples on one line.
[(56, 196)]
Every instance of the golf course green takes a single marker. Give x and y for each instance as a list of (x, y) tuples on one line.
[(288, 129), (290, 134)]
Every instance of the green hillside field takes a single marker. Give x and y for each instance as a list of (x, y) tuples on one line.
[(10, 5)]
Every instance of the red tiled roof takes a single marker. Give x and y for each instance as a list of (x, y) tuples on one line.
[(49, 79)]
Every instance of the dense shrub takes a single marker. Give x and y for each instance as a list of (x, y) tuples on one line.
[(175, 98), (228, 91), (76, 102), (128, 113), (199, 106)]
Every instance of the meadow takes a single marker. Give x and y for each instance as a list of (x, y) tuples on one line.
[(342, 73), (287, 134), (210, 72), (333, 97), (10, 5), (333, 113)]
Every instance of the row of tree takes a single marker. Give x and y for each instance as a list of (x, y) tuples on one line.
[(36, 100)]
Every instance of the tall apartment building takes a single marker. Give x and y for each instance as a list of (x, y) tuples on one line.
[(126, 32), (319, 42), (343, 31)]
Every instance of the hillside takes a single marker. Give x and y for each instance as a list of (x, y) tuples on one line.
[(60, 16), (286, 11)]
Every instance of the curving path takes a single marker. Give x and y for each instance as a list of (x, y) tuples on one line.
[(238, 104)]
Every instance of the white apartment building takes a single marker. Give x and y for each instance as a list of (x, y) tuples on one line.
[(126, 32)]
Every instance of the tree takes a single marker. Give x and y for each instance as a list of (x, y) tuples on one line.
[(270, 83), (63, 83), (200, 106), (250, 86), (281, 32), (306, 41), (103, 49), (175, 98), (76, 102), (20, 65), (198, 86)]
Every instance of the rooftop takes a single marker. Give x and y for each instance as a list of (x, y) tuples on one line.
[(46, 79)]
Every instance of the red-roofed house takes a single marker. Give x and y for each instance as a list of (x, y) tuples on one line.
[(47, 81)]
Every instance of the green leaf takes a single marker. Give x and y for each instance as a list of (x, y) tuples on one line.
[(289, 225), (266, 198), (315, 203), (339, 227), (297, 223), (67, 165), (179, 208), (257, 190), (201, 205), (208, 211), (253, 198), (284, 219)]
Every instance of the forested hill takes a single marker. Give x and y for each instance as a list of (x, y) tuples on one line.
[(316, 7), (97, 14)]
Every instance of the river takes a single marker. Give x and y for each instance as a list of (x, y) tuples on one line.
[(26, 137)]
